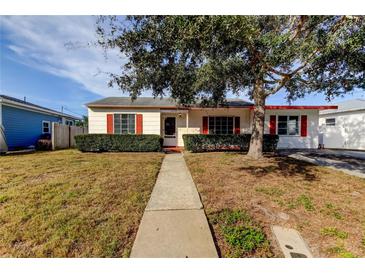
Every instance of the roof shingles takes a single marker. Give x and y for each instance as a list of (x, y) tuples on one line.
[(155, 102)]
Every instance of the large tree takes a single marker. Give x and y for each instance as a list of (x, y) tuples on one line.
[(203, 58)]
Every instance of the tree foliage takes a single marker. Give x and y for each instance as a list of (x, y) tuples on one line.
[(192, 57), (203, 58)]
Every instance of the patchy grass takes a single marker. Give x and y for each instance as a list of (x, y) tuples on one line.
[(334, 232), (72, 204), (341, 252), (240, 235), (313, 197)]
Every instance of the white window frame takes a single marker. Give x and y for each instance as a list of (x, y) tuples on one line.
[(330, 124), (69, 123), (49, 127), (227, 116), (287, 119), (127, 113)]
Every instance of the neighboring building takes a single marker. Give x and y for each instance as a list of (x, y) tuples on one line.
[(23, 122), (296, 125), (344, 127)]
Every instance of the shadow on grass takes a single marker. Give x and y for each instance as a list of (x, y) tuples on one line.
[(282, 166)]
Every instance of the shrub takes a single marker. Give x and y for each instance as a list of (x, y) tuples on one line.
[(118, 143), (44, 144), (212, 142)]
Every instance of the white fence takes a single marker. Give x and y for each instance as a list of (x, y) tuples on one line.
[(63, 136)]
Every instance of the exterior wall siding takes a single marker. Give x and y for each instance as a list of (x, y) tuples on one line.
[(297, 141), (348, 133), (23, 127), (153, 123), (97, 119)]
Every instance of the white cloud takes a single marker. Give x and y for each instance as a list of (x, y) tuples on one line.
[(41, 42)]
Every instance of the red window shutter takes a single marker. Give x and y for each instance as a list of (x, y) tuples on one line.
[(303, 125), (237, 128), (205, 125), (272, 125), (139, 126), (109, 123)]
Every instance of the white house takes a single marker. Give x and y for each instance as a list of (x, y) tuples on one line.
[(343, 127), (296, 125)]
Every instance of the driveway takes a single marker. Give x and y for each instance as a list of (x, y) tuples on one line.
[(350, 162)]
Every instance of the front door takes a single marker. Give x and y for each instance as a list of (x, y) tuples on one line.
[(170, 132)]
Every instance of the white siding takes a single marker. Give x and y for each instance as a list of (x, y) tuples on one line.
[(97, 119), (310, 141), (348, 133)]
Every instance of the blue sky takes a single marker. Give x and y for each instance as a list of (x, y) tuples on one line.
[(36, 61)]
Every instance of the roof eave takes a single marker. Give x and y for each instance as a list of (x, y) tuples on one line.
[(159, 107), (34, 108), (299, 107)]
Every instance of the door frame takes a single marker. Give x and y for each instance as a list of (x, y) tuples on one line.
[(169, 141)]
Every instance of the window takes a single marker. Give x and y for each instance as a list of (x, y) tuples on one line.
[(330, 122), (220, 125), (46, 127), (288, 125), (124, 123), (69, 123)]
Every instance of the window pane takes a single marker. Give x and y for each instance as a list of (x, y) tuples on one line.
[(282, 131), (117, 123), (331, 122), (282, 125), (293, 128), (283, 118), (211, 125), (230, 125)]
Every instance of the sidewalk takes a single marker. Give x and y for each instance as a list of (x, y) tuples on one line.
[(174, 224)]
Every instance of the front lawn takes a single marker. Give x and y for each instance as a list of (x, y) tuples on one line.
[(243, 198), (72, 204)]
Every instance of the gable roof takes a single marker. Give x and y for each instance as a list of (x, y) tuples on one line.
[(150, 102), (350, 105), (24, 104)]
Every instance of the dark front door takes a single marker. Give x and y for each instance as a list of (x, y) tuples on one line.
[(170, 126), (169, 138)]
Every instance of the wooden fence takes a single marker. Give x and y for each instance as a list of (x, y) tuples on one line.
[(63, 136)]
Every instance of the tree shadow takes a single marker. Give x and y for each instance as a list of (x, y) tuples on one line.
[(282, 166)]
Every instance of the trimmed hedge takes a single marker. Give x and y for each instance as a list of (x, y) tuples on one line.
[(211, 142), (118, 143)]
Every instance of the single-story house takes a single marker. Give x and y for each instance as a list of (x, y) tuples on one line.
[(296, 125), (343, 128), (22, 123)]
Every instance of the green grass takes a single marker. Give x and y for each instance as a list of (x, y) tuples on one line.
[(341, 251), (72, 204), (306, 201), (241, 235), (332, 210), (270, 191), (334, 232)]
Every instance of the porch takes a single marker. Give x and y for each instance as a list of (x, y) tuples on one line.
[(175, 123)]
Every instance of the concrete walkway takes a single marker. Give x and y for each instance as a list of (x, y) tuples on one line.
[(325, 158), (174, 224)]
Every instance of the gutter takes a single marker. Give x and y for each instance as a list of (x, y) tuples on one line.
[(36, 109)]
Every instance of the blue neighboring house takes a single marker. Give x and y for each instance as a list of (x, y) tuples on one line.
[(22, 123)]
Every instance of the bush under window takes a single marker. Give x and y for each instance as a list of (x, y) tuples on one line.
[(214, 142), (118, 143)]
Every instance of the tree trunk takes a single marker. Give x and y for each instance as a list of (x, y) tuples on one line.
[(257, 137)]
